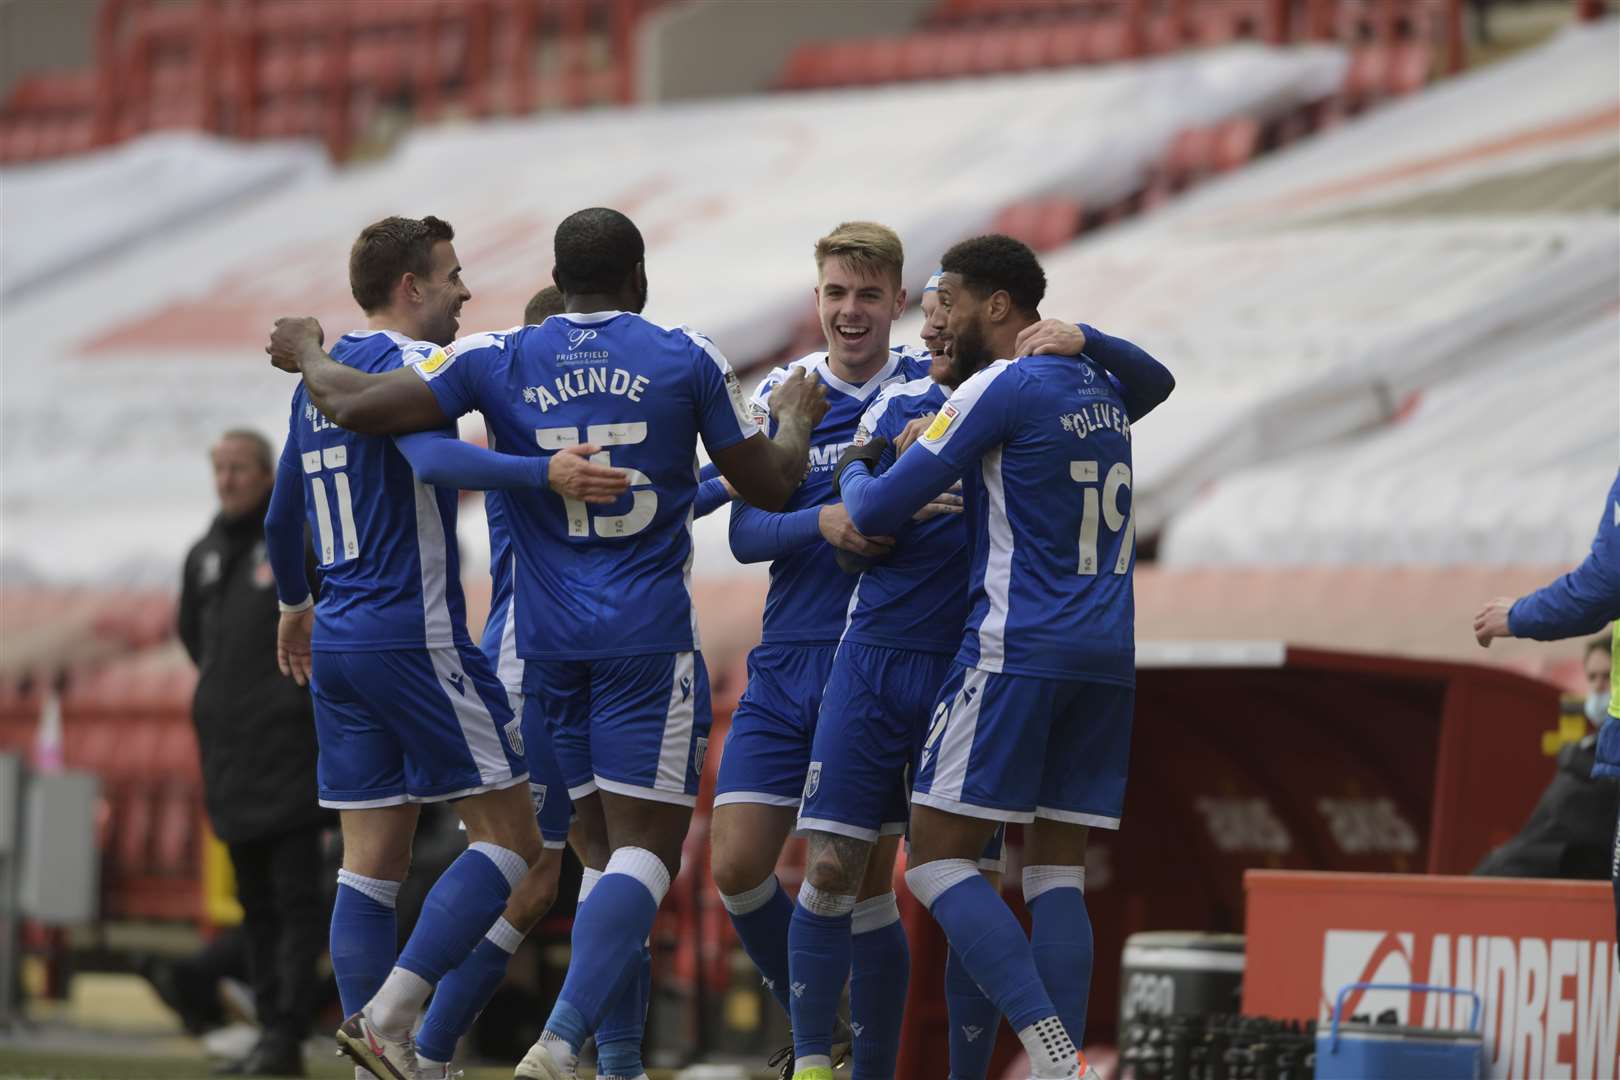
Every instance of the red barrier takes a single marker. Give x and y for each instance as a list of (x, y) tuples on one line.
[(1539, 953)]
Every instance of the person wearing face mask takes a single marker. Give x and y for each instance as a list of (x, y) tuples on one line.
[(1580, 602), (1569, 833)]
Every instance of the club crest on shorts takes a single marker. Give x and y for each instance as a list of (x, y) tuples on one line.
[(699, 752), (812, 780), (514, 736)]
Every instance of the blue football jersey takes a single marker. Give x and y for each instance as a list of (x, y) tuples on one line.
[(916, 597), (386, 543), (1044, 449), (500, 629), (610, 580), (808, 599)]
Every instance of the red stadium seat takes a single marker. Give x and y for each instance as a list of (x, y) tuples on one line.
[(1235, 143), (1029, 48), (802, 69), (175, 847), (1108, 42), (956, 51), (1408, 68), (880, 61), (1366, 77), (994, 50), (919, 57), (1069, 43), (1166, 34), (132, 829), (1043, 224)]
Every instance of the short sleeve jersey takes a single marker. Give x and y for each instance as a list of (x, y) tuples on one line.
[(808, 599), (1044, 449), (386, 543), (608, 580)]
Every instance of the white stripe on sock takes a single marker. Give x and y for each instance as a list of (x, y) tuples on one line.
[(1043, 879), (875, 913), (384, 892), (506, 937), (750, 901), (511, 865), (929, 880), (642, 865), (827, 905), (587, 882)]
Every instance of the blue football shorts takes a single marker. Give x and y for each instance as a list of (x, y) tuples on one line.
[(1019, 747), (767, 752), (874, 715), (411, 725), (630, 725)]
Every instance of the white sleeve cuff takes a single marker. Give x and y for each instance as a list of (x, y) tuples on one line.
[(293, 609)]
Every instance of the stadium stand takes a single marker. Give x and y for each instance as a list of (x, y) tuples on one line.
[(1488, 467), (1319, 292), (1395, 42), (278, 68), (129, 330), (1366, 324), (183, 177)]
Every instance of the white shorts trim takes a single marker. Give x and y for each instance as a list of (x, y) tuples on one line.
[(365, 804), (838, 828), (587, 788), (893, 828), (964, 809), (553, 845), (1096, 821), (761, 798), (498, 785), (651, 794)]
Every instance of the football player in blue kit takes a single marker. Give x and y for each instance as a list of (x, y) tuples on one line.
[(618, 1042), (407, 711), (468, 988), (1033, 723), (603, 613), (765, 767), (905, 622), (767, 752)]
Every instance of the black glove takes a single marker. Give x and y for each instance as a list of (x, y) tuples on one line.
[(868, 452)]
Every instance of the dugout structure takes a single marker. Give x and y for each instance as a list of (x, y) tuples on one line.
[(1266, 756)]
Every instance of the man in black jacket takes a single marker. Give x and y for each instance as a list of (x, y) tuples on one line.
[(1570, 832), (256, 734)]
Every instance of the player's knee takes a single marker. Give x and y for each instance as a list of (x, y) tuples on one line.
[(535, 894), (736, 871), (834, 868), (528, 845), (379, 862)]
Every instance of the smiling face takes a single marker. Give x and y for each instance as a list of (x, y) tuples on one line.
[(965, 314), (934, 339), (856, 308), (439, 296)]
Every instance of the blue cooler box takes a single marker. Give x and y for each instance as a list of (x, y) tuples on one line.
[(1362, 1051)]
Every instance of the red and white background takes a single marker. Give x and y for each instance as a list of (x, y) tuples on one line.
[(1540, 955)]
